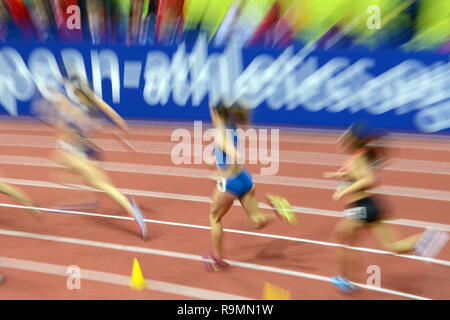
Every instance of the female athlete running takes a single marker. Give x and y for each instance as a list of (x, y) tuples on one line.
[(76, 104), (358, 176), (234, 182)]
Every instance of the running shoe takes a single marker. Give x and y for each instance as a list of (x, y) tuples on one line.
[(214, 264), (282, 208), (431, 242), (138, 218), (343, 284)]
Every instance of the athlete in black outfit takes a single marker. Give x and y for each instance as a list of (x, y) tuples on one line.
[(357, 177)]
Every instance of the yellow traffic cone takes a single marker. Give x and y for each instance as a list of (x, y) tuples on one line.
[(137, 280), (272, 292)]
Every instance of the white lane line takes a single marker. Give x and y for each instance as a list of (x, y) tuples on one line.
[(420, 224), (181, 255), (421, 193), (391, 143), (286, 156), (150, 128), (249, 233), (118, 279), (203, 199)]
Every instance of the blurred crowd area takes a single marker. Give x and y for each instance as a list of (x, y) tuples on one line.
[(407, 25)]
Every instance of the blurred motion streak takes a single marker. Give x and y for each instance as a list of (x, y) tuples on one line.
[(410, 25)]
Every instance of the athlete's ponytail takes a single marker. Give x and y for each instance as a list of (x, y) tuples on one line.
[(377, 155), (236, 114), (222, 111), (240, 114)]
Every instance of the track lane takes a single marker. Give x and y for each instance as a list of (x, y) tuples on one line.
[(182, 187), (269, 252), (247, 282), (398, 207)]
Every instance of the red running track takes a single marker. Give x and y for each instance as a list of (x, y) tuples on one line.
[(175, 199)]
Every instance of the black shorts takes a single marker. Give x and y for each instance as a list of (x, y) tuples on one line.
[(365, 210)]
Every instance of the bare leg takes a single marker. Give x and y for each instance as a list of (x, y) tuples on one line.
[(71, 178), (345, 233), (17, 195), (222, 202), (97, 178), (388, 239), (67, 176), (250, 205)]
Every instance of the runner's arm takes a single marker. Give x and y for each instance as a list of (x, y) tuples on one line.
[(105, 108), (338, 174), (363, 175)]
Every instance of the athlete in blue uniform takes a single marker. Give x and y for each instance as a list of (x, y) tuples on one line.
[(76, 103), (234, 182)]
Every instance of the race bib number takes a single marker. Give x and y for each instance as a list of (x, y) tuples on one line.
[(221, 184), (358, 213)]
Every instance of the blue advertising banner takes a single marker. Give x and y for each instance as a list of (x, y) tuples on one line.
[(295, 86)]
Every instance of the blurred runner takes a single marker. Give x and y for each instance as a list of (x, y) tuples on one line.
[(76, 106), (235, 183), (358, 176)]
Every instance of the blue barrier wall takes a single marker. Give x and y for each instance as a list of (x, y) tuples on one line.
[(296, 86)]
